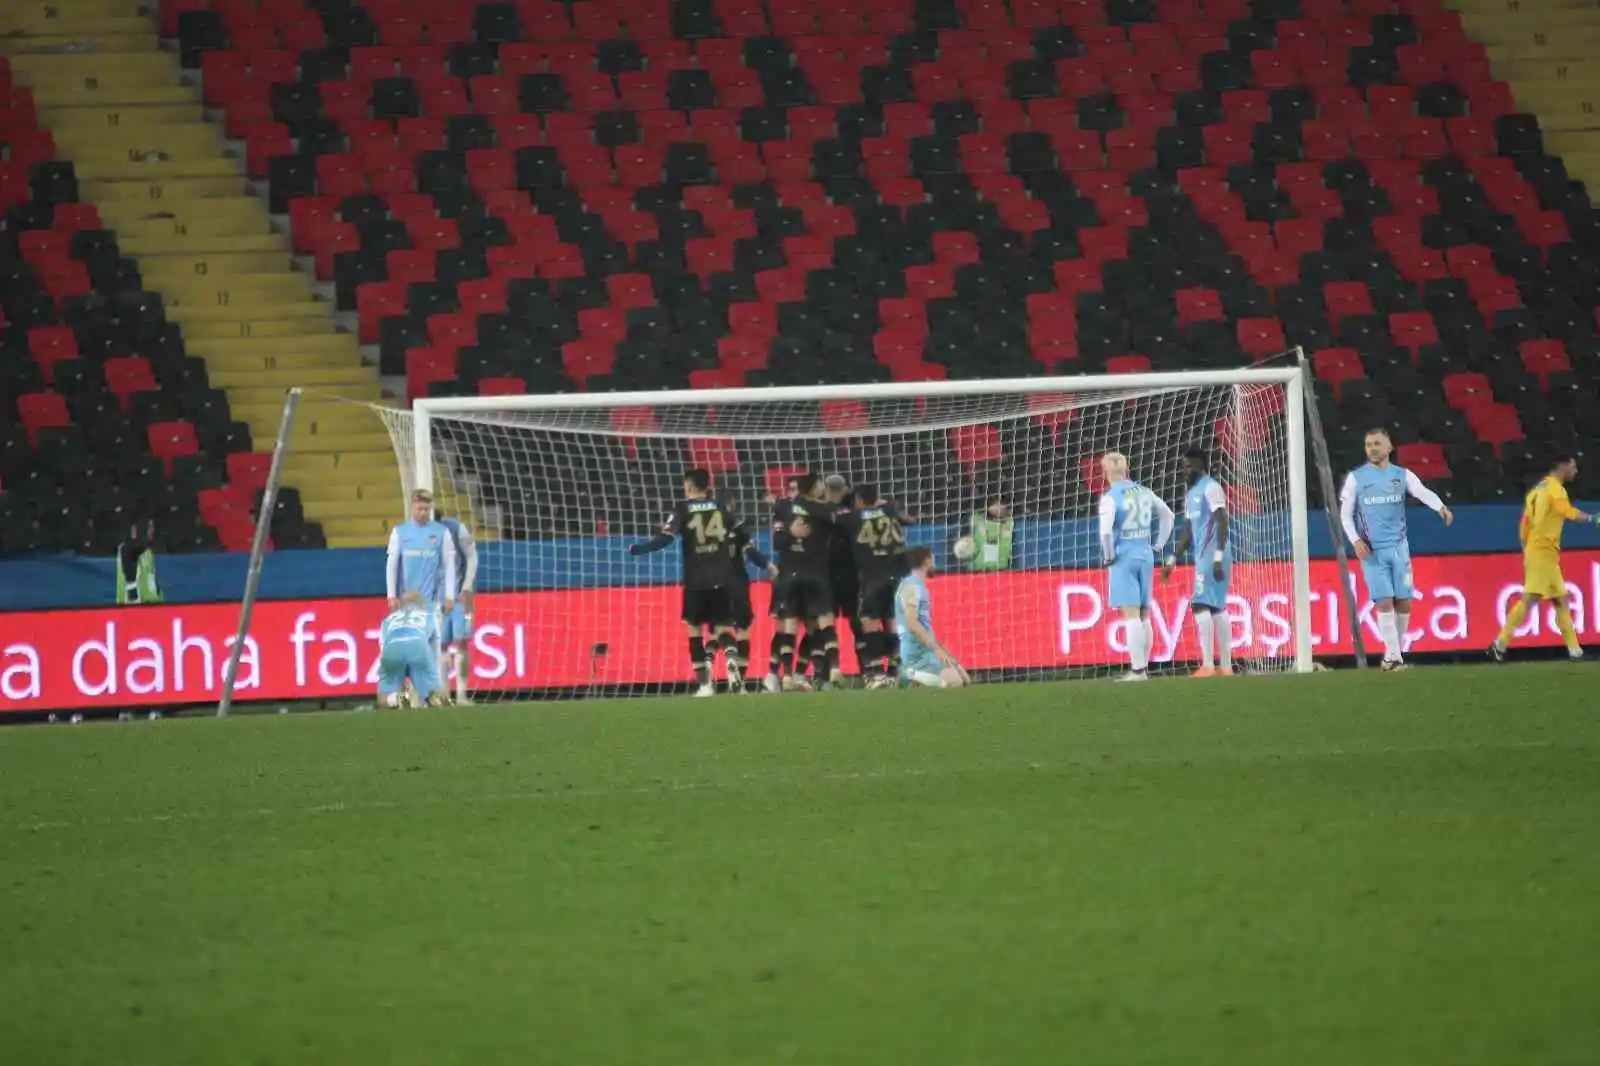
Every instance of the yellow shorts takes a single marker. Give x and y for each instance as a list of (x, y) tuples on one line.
[(1541, 574)]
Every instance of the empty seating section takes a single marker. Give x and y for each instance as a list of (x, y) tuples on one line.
[(104, 421), (655, 194), (664, 193)]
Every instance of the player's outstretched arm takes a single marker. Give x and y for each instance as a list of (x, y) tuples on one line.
[(1429, 498), (756, 556), (654, 544), (1563, 505)]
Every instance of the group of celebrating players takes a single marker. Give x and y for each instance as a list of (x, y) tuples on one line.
[(837, 554), (840, 554)]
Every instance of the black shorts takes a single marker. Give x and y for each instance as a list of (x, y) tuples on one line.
[(780, 591), (739, 613), (846, 591), (705, 607), (877, 603), (805, 598)]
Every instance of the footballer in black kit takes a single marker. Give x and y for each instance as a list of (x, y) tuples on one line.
[(708, 533), (802, 538), (877, 537), (740, 614), (841, 553)]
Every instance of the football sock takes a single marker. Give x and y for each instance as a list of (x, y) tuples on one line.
[(1391, 636), (1203, 626), (866, 661), (824, 653), (1568, 634), (782, 653), (1222, 627), (741, 651), (697, 658), (1514, 617), (1402, 626), (1138, 651), (1149, 641)]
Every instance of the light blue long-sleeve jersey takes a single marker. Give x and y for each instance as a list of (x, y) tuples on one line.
[(422, 559), (1128, 512), (1372, 504), (411, 625)]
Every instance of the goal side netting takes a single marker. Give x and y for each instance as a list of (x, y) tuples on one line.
[(555, 493)]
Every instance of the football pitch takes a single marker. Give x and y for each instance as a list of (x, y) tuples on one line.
[(1339, 869)]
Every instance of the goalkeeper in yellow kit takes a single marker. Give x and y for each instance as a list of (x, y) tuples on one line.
[(1543, 512)]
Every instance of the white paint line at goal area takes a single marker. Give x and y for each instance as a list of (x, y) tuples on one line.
[(795, 776)]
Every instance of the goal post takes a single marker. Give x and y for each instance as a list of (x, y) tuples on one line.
[(556, 486)]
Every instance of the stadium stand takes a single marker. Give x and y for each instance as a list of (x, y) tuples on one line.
[(653, 194)]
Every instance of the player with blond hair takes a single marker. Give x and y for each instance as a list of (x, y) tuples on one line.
[(407, 640), (1544, 510), (1372, 509), (1127, 510)]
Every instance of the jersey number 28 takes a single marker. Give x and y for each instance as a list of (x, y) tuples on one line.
[(1136, 510)]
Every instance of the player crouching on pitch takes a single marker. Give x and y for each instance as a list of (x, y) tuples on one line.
[(407, 639), (923, 660)]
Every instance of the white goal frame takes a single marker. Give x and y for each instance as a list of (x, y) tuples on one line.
[(424, 411)]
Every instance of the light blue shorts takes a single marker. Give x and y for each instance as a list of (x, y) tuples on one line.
[(915, 659), (1388, 573), (455, 627), (408, 659), (1128, 584), (1209, 591)]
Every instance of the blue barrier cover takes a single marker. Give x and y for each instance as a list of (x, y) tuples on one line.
[(66, 581)]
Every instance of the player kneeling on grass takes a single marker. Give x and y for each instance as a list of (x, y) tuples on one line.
[(1126, 512), (923, 660), (1543, 512), (407, 640)]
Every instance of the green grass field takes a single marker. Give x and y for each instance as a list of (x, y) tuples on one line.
[(1343, 869)]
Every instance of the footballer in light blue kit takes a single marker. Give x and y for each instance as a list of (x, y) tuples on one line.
[(422, 557), (1205, 510), (407, 639), (455, 632), (923, 660), (1127, 512), (1372, 509)]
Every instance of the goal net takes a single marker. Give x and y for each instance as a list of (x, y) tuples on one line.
[(556, 488)]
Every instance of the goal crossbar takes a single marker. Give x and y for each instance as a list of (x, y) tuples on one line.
[(896, 390)]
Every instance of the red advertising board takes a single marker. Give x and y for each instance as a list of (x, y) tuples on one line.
[(143, 656)]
